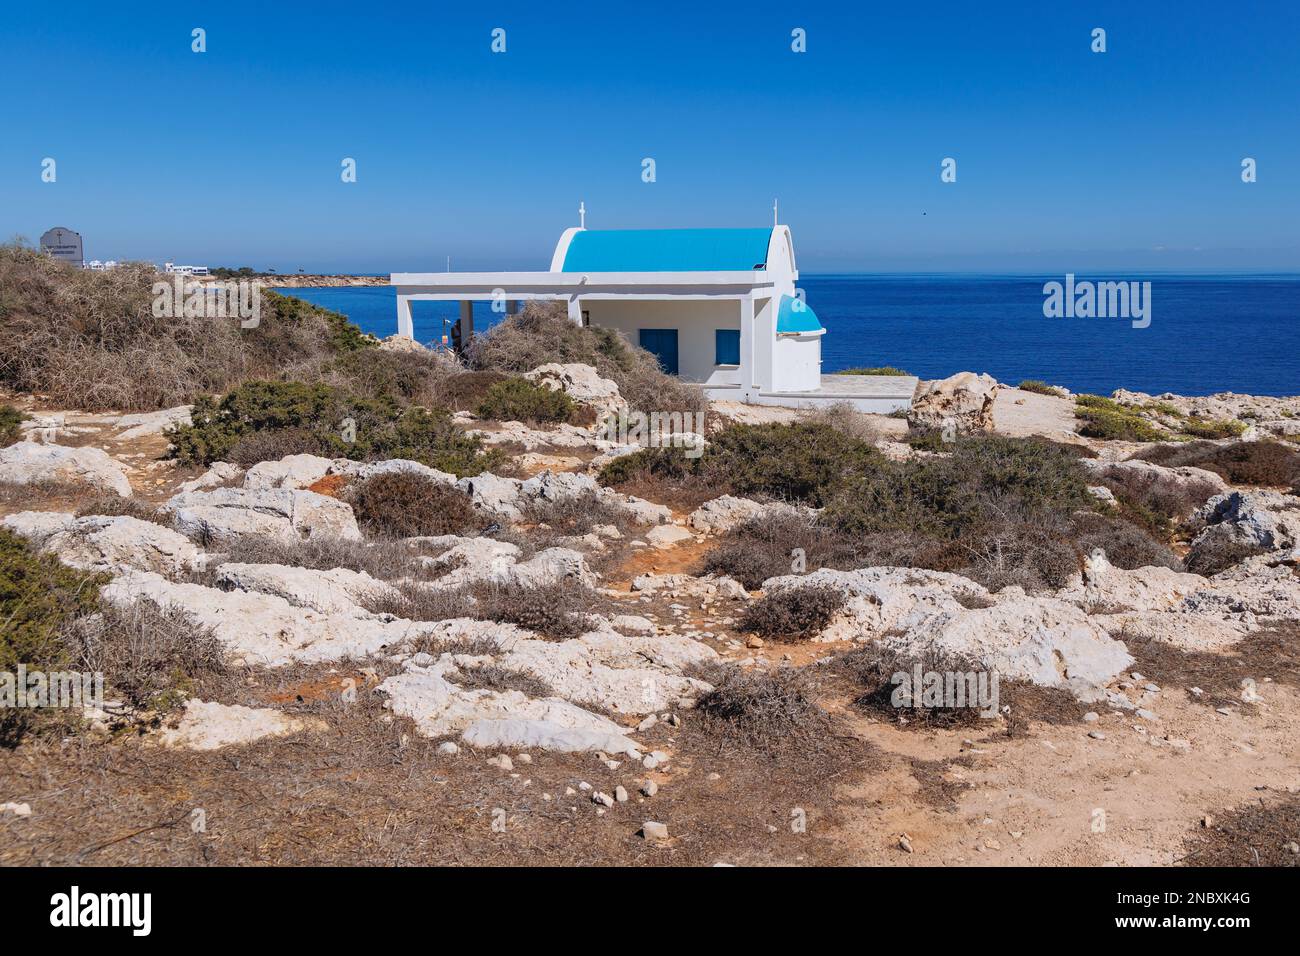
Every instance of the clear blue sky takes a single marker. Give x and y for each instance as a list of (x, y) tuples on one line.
[(1067, 160)]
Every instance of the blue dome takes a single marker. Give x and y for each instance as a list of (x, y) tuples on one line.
[(800, 319)]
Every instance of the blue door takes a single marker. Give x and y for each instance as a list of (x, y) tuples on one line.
[(662, 344)]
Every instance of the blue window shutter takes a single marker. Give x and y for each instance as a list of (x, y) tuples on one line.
[(728, 347)]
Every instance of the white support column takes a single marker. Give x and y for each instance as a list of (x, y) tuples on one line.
[(405, 324), (575, 310), (747, 389)]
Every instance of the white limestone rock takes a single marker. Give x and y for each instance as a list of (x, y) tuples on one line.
[(624, 674), (667, 536), (265, 629), (495, 494), (492, 719), (336, 591), (291, 471), (727, 512), (152, 423), (360, 470), (708, 587), (289, 515), (962, 402), (221, 473), (580, 382), (1037, 638), (207, 725), (1263, 519), (26, 462), (108, 543)]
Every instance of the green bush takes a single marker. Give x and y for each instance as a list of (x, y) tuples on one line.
[(999, 510), (1213, 428), (10, 419), (1038, 387), (38, 597), (1107, 419), (802, 462), (312, 418), (517, 399), (341, 335), (947, 495), (878, 370)]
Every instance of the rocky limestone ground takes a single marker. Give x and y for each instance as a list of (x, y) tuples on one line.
[(1141, 703)]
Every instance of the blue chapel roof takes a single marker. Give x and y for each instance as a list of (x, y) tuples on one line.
[(667, 250)]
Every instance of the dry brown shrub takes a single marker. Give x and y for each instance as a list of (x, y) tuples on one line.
[(543, 333), (405, 504)]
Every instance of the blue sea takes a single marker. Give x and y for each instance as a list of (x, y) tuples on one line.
[(1207, 334)]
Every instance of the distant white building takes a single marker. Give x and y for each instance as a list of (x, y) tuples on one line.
[(94, 265), (172, 269), (717, 306)]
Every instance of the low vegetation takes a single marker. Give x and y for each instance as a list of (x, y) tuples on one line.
[(1265, 463), (877, 370), (1259, 833), (792, 614), (91, 340), (1213, 428), (1158, 503), (873, 669), (543, 333), (768, 710), (249, 421), (803, 462), (1105, 418), (40, 598), (517, 399), (10, 421), (556, 611), (999, 510), (150, 656), (404, 505), (1040, 388)]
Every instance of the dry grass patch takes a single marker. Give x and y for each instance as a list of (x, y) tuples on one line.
[(1273, 652), (792, 614), (763, 710), (405, 505), (1266, 463), (151, 657), (1261, 833)]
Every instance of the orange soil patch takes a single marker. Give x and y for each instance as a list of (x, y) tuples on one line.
[(330, 485), (681, 559), (309, 691)]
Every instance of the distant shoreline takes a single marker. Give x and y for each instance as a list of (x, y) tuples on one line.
[(302, 281)]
